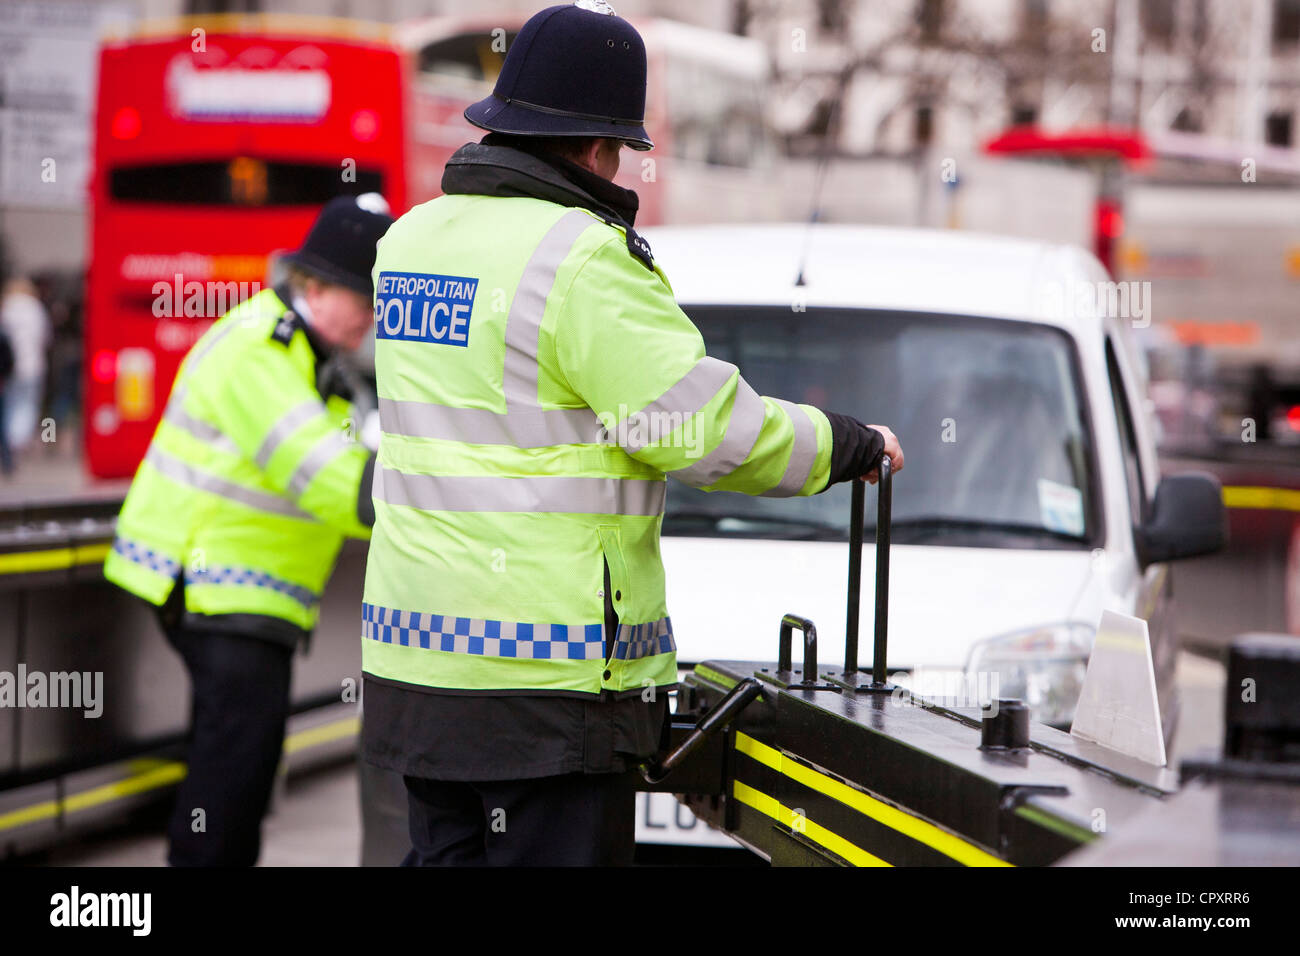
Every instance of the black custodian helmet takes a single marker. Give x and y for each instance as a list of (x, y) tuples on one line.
[(574, 70), (340, 248)]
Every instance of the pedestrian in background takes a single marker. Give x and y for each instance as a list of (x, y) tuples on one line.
[(63, 295), (6, 370), (25, 322)]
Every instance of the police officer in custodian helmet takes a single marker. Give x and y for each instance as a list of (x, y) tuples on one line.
[(237, 513), (516, 646)]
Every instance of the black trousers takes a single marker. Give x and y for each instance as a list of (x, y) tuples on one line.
[(574, 819), (238, 712)]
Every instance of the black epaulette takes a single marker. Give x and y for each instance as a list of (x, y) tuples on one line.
[(640, 248), (285, 327), (635, 243), (289, 321)]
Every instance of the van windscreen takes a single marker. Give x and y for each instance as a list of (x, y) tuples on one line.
[(989, 413)]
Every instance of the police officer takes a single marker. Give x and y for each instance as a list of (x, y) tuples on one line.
[(532, 364), (236, 515)]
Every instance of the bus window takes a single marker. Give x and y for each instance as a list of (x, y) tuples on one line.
[(242, 181), (466, 56), (716, 115)]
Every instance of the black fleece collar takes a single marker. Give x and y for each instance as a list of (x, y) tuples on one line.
[(291, 320), (507, 166), (331, 375)]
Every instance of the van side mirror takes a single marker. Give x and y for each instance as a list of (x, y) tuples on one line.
[(1187, 518)]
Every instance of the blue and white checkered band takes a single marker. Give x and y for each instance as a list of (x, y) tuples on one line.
[(645, 640), (252, 578), (514, 639), (137, 553)]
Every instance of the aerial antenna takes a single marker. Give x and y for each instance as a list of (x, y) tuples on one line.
[(822, 163)]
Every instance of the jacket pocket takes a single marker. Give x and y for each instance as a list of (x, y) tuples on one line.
[(615, 585)]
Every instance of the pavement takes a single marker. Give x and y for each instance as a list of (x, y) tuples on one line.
[(315, 820), (46, 470)]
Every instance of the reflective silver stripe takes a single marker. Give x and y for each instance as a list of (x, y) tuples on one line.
[(524, 321), (175, 412), (186, 474), (743, 427), (320, 455), (202, 351), (289, 423), (205, 432), (522, 427), (545, 495), (802, 455), (524, 423), (686, 397)]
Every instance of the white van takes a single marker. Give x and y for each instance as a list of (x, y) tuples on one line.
[(1030, 501)]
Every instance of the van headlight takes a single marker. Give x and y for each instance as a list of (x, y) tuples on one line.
[(1042, 666)]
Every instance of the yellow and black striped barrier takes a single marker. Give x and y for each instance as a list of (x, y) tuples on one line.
[(845, 774)]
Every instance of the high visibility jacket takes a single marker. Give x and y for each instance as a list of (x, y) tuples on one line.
[(251, 480), (537, 382)]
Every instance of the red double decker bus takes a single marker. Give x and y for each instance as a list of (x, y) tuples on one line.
[(215, 147), (219, 138)]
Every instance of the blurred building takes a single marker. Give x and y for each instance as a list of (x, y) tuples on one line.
[(917, 72), (922, 72)]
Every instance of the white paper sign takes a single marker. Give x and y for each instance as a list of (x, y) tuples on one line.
[(1060, 507)]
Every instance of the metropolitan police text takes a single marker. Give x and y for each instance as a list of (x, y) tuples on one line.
[(417, 307)]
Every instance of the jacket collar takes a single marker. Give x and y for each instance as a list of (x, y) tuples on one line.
[(290, 321), (508, 166), (332, 377)]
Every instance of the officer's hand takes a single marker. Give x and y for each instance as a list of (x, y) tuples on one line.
[(856, 448), (892, 448)]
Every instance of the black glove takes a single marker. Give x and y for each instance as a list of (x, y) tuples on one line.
[(855, 448)]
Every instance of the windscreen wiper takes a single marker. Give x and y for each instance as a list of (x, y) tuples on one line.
[(810, 528), (935, 525)]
